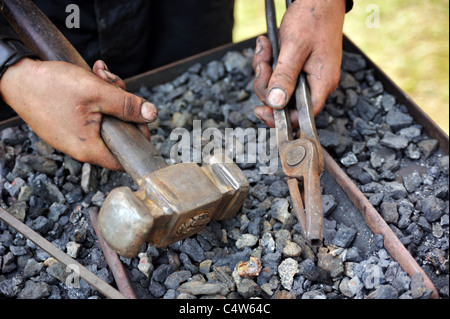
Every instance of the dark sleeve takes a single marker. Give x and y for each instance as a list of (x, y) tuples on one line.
[(348, 5), (12, 49)]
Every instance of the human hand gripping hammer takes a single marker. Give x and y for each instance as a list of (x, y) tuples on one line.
[(302, 159), (172, 202)]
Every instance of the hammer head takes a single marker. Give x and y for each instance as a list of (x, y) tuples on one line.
[(171, 204)]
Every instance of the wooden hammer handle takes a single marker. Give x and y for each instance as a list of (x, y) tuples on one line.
[(136, 154)]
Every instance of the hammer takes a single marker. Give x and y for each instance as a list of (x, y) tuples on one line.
[(172, 202)]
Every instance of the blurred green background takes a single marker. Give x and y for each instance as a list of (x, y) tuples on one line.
[(410, 44)]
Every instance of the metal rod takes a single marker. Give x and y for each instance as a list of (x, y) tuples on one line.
[(114, 263), (376, 223), (65, 259)]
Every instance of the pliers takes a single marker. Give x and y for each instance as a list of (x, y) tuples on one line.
[(302, 159)]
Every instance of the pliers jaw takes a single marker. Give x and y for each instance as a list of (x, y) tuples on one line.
[(300, 161)]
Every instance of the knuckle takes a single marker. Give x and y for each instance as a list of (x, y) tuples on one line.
[(128, 110), (285, 76)]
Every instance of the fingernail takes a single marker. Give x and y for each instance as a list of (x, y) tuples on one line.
[(258, 70), (258, 116), (148, 111), (110, 76), (276, 98), (258, 47)]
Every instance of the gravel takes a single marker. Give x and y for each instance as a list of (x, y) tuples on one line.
[(391, 159)]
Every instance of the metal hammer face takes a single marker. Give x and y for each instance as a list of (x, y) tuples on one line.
[(171, 204)]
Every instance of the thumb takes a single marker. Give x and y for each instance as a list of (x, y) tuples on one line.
[(127, 106)]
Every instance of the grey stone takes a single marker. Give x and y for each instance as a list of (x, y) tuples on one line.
[(344, 236), (428, 147), (412, 181), (52, 193), (42, 224), (433, 208), (331, 264), (372, 276), (259, 191), (73, 166), (268, 243), (156, 289), (25, 193), (292, 249), (9, 263), (444, 164), (410, 132), (280, 211), (348, 81), (394, 190), (174, 280), (415, 231), (34, 290), (418, 287), (374, 90), (353, 255), (314, 294), (380, 156), (56, 210), (201, 288), (398, 120), (161, 273), (88, 178), (247, 288), (278, 189), (39, 163), (214, 70), (397, 142), (18, 250), (349, 159), (328, 204), (235, 62), (412, 152), (389, 212), (310, 271), (14, 187), (355, 286), (364, 127), (32, 268), (352, 62), (388, 101), (18, 210), (386, 292), (287, 269), (376, 199), (192, 248), (365, 109), (12, 286), (246, 240)]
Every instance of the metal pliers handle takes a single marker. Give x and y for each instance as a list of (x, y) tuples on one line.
[(302, 159)]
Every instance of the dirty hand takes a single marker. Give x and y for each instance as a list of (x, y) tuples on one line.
[(310, 39), (64, 105)]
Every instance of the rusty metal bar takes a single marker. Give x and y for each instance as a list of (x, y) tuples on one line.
[(92, 279), (41, 35), (115, 265), (31, 31), (376, 223)]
